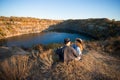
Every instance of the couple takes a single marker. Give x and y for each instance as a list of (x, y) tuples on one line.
[(71, 52)]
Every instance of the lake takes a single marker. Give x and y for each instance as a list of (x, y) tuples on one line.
[(44, 38)]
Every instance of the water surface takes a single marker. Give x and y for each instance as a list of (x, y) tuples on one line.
[(29, 40)]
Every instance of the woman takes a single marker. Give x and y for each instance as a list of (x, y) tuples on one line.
[(78, 46)]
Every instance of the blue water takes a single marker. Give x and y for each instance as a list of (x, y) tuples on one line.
[(42, 38)]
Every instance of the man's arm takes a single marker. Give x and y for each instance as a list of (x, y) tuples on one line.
[(74, 52)]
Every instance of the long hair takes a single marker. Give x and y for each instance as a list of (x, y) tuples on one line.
[(79, 43)]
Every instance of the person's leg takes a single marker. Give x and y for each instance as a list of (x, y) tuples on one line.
[(80, 56)]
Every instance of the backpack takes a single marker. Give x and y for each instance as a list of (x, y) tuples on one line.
[(60, 53)]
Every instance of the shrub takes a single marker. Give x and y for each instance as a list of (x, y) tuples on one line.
[(15, 68)]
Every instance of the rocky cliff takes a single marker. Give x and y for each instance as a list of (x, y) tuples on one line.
[(97, 28), (12, 26)]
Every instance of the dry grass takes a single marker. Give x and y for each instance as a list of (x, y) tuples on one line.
[(110, 46), (45, 66), (94, 66), (15, 68)]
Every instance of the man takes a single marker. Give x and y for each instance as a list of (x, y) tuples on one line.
[(67, 53)]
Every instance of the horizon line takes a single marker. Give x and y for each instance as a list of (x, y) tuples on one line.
[(65, 18)]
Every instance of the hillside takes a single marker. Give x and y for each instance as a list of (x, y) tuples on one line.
[(100, 28), (41, 63), (101, 56), (13, 26)]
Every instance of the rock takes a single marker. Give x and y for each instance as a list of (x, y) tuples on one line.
[(17, 50), (5, 52)]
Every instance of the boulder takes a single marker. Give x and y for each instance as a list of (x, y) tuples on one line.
[(6, 52)]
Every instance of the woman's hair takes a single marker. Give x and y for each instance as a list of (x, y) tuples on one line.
[(79, 43)]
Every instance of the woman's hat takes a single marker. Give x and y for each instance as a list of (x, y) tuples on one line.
[(79, 40)]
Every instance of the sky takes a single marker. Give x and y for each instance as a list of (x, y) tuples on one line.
[(61, 9)]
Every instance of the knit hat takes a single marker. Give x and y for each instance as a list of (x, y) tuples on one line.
[(66, 40)]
